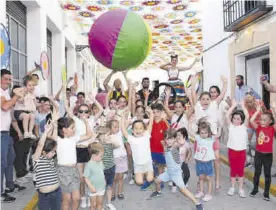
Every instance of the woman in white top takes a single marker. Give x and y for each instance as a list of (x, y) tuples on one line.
[(237, 142), (173, 73), (207, 108), (84, 113)]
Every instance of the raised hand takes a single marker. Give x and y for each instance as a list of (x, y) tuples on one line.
[(223, 79)]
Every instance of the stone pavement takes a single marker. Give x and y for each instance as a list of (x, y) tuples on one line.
[(137, 200)]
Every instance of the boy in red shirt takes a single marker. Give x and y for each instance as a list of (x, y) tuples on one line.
[(157, 135)]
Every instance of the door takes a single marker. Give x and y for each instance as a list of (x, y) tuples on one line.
[(266, 70)]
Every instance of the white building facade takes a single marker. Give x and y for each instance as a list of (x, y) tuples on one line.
[(248, 50), (41, 25)]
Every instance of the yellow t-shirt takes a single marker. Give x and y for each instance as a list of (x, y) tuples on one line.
[(118, 94)]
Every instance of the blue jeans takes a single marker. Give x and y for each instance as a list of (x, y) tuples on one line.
[(7, 159), (50, 200)]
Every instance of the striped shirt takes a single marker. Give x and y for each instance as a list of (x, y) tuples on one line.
[(45, 172), (175, 154), (108, 158)]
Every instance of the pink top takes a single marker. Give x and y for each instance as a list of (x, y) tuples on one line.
[(30, 102)]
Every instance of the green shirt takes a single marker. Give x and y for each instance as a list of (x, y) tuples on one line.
[(108, 158), (94, 171)]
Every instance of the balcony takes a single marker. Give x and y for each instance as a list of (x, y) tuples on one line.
[(238, 14)]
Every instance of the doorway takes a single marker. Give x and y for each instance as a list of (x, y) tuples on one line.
[(265, 93)]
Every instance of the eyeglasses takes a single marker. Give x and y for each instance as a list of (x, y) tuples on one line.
[(83, 111)]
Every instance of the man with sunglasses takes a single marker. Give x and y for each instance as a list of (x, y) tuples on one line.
[(7, 150), (242, 90)]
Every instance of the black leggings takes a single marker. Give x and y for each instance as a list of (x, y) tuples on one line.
[(185, 173), (263, 159)]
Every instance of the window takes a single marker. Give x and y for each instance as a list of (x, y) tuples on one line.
[(16, 25), (49, 52)]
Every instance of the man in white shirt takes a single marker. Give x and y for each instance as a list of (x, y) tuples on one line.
[(7, 150)]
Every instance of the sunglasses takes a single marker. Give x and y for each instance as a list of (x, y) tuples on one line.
[(83, 111)]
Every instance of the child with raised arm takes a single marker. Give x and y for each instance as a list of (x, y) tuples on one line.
[(265, 132), (173, 172), (237, 141), (140, 145)]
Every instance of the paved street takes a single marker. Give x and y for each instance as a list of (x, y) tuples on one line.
[(137, 200)]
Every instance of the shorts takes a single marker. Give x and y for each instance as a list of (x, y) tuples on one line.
[(236, 162), (82, 155), (69, 178), (204, 168), (143, 168), (121, 164), (17, 114), (109, 175), (175, 177), (216, 144), (100, 193), (158, 158)]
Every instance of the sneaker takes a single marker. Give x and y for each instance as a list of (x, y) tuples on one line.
[(170, 184), (22, 180), (32, 136), (5, 198), (199, 207), (145, 186), (156, 194), (131, 182), (254, 193), (121, 196), (16, 188), (110, 206), (174, 189), (199, 194), (207, 198), (248, 165), (83, 202), (26, 135), (231, 191), (88, 202), (242, 194), (266, 197)]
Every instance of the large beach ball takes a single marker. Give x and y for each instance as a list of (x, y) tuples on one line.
[(120, 39)]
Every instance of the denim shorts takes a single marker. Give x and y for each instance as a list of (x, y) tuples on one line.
[(204, 168), (109, 176), (158, 158), (51, 200)]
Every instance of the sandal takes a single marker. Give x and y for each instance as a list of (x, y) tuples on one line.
[(121, 196), (113, 198), (218, 188)]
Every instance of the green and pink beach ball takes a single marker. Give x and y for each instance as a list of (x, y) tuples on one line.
[(120, 39)]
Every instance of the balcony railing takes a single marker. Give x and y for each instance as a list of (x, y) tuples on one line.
[(237, 14)]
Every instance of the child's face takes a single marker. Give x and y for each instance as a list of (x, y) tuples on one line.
[(237, 120), (169, 141), (114, 127), (204, 133), (265, 120), (138, 129), (157, 114), (112, 104), (122, 103), (30, 86), (179, 109), (140, 113), (205, 101), (137, 97), (51, 154), (97, 157), (139, 103), (70, 131), (95, 110), (214, 93), (180, 138)]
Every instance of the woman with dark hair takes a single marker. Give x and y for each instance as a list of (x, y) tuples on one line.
[(173, 73)]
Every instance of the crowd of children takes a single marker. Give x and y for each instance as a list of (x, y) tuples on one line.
[(85, 150)]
